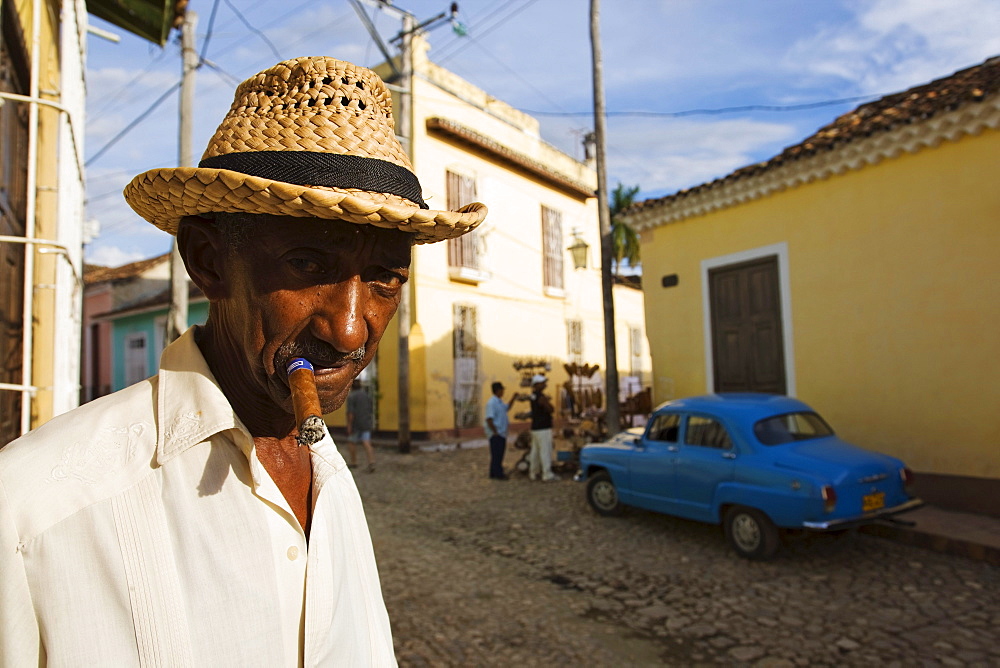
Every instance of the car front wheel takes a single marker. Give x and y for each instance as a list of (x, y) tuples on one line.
[(751, 533), (602, 494)]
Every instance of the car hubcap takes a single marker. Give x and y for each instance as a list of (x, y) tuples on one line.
[(746, 532), (604, 495)]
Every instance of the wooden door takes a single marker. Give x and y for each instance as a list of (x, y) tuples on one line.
[(747, 341)]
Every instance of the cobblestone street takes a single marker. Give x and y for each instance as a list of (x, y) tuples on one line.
[(478, 572)]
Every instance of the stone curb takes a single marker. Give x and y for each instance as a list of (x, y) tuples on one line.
[(936, 542)]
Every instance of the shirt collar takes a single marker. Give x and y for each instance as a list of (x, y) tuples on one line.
[(190, 404)]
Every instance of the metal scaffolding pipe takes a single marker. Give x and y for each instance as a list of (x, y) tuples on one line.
[(33, 244), (27, 324)]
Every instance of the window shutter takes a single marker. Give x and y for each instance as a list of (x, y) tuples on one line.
[(552, 251), (463, 251)]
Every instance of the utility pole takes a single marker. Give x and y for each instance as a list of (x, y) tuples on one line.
[(403, 313), (612, 415), (177, 314), (404, 130)]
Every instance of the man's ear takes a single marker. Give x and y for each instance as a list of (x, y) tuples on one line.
[(204, 254)]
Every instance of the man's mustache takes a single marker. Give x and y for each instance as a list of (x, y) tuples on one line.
[(321, 354)]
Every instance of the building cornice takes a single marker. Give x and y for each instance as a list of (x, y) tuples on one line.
[(757, 181), (496, 150)]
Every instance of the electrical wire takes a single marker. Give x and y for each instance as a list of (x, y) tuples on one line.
[(252, 29), (475, 22), (488, 30), (517, 74), (117, 95), (226, 76), (124, 131), (281, 17), (704, 112), (324, 27), (208, 35)]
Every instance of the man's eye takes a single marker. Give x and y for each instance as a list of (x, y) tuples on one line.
[(390, 278), (387, 278), (305, 265)]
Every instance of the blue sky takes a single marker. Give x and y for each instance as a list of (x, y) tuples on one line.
[(661, 57)]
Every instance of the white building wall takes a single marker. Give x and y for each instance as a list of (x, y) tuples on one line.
[(69, 289)]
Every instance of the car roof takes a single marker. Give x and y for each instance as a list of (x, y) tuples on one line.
[(749, 406)]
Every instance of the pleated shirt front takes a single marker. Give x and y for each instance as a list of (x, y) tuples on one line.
[(141, 530)]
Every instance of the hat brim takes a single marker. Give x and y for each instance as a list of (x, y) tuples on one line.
[(164, 196)]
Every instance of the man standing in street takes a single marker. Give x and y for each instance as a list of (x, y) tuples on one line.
[(496, 429), (360, 421), (540, 457)]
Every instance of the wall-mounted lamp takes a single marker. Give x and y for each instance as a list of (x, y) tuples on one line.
[(579, 251)]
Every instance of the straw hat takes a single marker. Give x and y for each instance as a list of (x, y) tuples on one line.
[(309, 137)]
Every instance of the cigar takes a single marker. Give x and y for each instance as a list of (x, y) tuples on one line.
[(305, 401)]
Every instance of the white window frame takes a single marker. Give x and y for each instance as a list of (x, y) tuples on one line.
[(553, 242), (466, 261), (136, 367), (574, 340)]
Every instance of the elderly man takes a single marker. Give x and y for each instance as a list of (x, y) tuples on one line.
[(180, 522)]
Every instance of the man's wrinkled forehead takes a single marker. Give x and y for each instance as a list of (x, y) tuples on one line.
[(329, 234)]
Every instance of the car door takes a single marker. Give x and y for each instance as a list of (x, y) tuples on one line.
[(651, 468), (703, 461)]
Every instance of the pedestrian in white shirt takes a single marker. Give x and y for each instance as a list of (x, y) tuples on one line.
[(179, 521)]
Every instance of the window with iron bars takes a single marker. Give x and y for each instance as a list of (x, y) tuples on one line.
[(635, 350), (463, 251), (574, 340), (466, 382), (552, 248)]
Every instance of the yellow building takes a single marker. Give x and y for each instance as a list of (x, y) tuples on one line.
[(508, 293), (857, 270), (42, 97)]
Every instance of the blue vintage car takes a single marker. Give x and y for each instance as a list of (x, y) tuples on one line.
[(755, 463)]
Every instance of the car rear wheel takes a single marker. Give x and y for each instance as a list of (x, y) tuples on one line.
[(602, 494), (751, 533)]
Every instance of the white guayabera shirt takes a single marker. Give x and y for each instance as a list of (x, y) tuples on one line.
[(141, 530)]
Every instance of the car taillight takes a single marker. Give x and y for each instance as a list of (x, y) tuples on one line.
[(829, 498), (906, 475)]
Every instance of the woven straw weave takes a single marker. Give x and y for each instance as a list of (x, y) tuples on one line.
[(314, 104)]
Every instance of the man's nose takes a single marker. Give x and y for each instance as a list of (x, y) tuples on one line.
[(340, 314)]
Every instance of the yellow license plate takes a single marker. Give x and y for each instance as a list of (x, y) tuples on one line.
[(871, 502)]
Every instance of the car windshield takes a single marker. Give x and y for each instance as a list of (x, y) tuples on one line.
[(791, 427)]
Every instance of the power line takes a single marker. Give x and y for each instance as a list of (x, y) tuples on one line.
[(251, 28), (703, 112), (229, 78), (477, 22), (516, 74), (489, 30), (116, 96), (134, 123), (208, 35), (281, 17), (322, 28)]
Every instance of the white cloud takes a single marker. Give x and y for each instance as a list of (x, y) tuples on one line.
[(668, 155), (891, 45), (110, 88), (113, 256)]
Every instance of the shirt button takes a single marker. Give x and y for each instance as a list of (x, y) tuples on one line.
[(293, 553)]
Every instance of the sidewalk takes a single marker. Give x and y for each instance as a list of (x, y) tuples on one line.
[(965, 534)]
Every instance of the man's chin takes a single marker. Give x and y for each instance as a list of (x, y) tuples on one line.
[(331, 403)]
